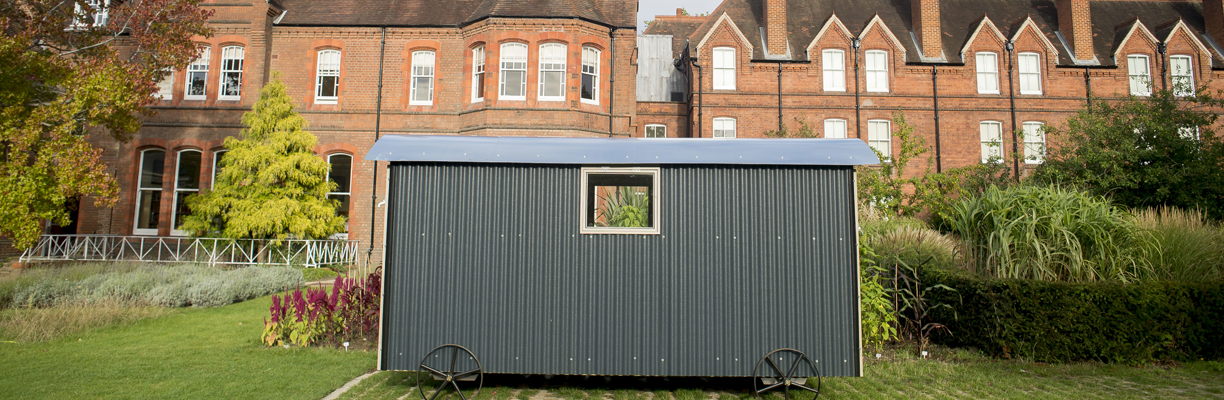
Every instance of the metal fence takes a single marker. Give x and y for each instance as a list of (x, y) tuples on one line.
[(211, 251)]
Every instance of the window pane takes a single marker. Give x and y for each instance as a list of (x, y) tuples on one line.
[(180, 207), (620, 200), (148, 210), (151, 169), (188, 170), (341, 171), (588, 87), (513, 83), (552, 83), (327, 86), (343, 209)]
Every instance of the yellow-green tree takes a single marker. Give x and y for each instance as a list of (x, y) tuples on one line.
[(270, 185)]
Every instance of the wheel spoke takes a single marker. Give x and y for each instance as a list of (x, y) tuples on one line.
[(440, 389), (794, 367), (768, 388), (775, 366), (457, 376), (454, 357), (787, 392), (458, 390), (805, 387), (433, 370)]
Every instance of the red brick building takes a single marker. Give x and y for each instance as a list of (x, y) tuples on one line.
[(359, 69)]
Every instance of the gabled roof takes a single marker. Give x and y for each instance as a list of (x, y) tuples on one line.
[(451, 12)]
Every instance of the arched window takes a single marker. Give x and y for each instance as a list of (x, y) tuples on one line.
[(422, 78), (216, 169), (327, 77), (590, 75), (342, 174), (552, 72), (186, 183), (197, 76), (231, 73), (724, 68), (877, 70), (513, 71), (478, 73), (148, 192)]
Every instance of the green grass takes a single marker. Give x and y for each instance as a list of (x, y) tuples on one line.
[(211, 353), (953, 373)]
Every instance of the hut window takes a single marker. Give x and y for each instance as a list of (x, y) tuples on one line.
[(620, 200)]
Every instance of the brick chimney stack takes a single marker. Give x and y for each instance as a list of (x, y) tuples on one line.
[(1075, 23), (1213, 18), (775, 26), (925, 15)]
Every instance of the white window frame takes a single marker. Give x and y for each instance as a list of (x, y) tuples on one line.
[(165, 88), (656, 127), (198, 67), (655, 201), (100, 12), (216, 167), (877, 70), (833, 65), (1139, 77), (424, 64), (326, 68), (991, 145), (879, 137), (724, 68), (230, 55), (178, 166), (478, 73), (343, 235), (552, 64), (987, 65), (1189, 132), (1034, 135), (510, 62), (140, 192), (834, 126), (721, 130), (591, 58), (1177, 76), (1029, 66)]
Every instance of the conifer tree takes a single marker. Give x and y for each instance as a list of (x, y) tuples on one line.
[(270, 185)]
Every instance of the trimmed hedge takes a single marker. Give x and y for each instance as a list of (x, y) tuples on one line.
[(1059, 322)]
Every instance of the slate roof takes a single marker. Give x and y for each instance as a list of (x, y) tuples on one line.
[(678, 27), (621, 13), (959, 18)]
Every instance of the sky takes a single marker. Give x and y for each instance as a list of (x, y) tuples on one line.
[(648, 9)]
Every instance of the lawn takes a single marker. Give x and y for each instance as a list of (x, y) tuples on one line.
[(206, 353)]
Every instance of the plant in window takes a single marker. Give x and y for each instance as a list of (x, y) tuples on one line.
[(624, 207), (271, 185), (58, 83)]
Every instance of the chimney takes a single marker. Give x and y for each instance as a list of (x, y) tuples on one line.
[(1075, 23), (680, 12), (925, 14), (775, 26), (1213, 18)]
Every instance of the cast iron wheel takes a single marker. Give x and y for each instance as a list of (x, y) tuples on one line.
[(449, 366), (769, 373)]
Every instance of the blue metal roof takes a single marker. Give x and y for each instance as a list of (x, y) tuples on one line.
[(569, 150)]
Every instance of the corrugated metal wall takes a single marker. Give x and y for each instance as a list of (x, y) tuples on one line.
[(750, 259), (657, 77)]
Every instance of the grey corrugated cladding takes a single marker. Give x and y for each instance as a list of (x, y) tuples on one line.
[(751, 258), (564, 150)]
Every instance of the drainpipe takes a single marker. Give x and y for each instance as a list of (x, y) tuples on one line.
[(779, 97), (688, 74), (377, 132), (1164, 66), (612, 82), (1011, 86), (1088, 89), (858, 123), (935, 99), (700, 82)]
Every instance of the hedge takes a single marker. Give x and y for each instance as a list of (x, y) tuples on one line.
[(1060, 322)]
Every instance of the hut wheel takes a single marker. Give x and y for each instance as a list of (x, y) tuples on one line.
[(449, 367), (785, 369)]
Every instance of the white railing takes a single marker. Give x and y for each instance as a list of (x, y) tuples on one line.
[(309, 253)]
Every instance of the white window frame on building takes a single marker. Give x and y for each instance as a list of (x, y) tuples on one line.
[(182, 187), (1189, 132), (98, 15), (1181, 72), (512, 63), (656, 131), (835, 128), (478, 73), (1029, 67), (421, 93), (987, 65), (833, 63), (327, 76), (991, 135), (590, 75), (216, 167), (724, 68), (230, 78), (879, 137), (552, 79), (165, 88), (876, 62), (724, 128), (1139, 74), (197, 76), (149, 189), (344, 190), (1034, 142)]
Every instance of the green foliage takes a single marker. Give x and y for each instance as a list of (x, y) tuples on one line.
[(878, 318), (625, 208), (271, 184), (1051, 234), (1184, 247), (316, 274), (59, 86), (914, 245), (1134, 152), (805, 132), (893, 258), (156, 285), (1103, 321)]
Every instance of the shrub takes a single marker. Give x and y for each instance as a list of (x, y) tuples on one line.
[(914, 246), (1185, 247), (160, 285), (891, 260), (1101, 321), (878, 318), (1052, 234), (314, 317)]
